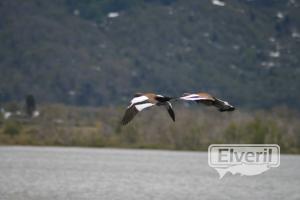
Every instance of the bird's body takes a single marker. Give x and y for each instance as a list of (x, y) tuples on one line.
[(146, 100), (208, 100)]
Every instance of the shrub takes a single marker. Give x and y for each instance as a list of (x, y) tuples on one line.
[(12, 128)]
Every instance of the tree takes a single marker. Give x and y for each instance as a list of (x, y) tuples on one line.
[(30, 105)]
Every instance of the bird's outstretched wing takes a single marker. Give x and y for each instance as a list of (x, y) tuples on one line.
[(170, 110), (137, 104), (129, 115), (197, 97), (209, 100), (223, 105)]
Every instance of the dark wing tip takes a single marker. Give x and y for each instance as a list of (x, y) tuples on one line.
[(124, 121), (229, 109), (232, 108), (172, 114), (129, 115), (171, 111)]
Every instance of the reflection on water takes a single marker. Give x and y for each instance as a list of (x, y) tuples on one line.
[(87, 173)]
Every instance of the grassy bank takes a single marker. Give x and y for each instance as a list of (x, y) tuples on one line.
[(195, 128)]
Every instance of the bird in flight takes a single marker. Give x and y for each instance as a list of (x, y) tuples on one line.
[(146, 100), (208, 100)]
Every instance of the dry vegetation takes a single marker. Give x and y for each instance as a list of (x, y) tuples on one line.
[(195, 128)]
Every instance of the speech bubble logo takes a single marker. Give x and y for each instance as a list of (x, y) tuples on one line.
[(243, 159)]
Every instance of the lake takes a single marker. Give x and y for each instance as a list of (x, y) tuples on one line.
[(98, 173)]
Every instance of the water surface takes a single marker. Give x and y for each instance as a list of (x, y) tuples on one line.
[(90, 173)]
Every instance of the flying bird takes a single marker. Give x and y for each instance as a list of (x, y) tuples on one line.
[(208, 100), (146, 100)]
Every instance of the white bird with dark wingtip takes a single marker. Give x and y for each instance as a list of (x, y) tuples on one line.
[(146, 100), (208, 100)]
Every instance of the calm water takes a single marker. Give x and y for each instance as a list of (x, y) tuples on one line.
[(86, 173)]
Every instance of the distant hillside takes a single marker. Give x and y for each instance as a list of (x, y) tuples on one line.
[(100, 52)]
